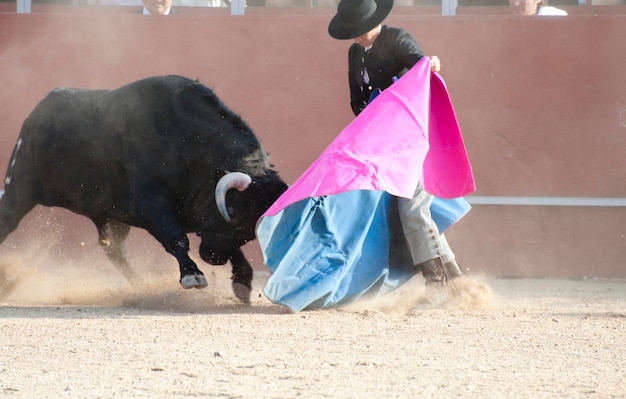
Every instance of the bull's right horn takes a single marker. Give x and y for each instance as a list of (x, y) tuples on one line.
[(237, 180)]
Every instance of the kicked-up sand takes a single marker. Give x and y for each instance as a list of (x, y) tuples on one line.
[(89, 335)]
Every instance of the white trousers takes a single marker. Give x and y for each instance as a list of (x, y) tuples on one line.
[(421, 232)]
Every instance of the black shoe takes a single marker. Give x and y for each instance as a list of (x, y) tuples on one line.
[(432, 270), (435, 272)]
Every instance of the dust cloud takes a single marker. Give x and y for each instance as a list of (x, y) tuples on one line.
[(56, 267), (53, 259), (465, 293), (38, 275), (24, 283), (28, 280)]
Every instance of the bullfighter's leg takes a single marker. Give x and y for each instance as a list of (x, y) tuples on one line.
[(155, 214), (242, 276), (112, 237), (429, 249)]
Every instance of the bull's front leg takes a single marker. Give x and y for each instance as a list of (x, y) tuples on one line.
[(242, 276), (155, 215), (190, 275)]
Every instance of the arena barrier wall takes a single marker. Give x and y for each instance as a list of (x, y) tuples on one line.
[(541, 103)]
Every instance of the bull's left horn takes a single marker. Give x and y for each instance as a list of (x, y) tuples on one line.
[(237, 180)]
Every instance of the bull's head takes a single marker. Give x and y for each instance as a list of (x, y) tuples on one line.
[(240, 200)]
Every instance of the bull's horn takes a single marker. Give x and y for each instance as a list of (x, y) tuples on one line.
[(237, 180)]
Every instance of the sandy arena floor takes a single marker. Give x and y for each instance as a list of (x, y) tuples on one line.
[(82, 337)]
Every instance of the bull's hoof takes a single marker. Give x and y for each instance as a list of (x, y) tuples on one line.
[(193, 281), (242, 292)]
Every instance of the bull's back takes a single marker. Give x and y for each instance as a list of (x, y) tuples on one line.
[(81, 149)]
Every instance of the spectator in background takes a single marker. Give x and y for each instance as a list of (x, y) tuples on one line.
[(534, 7), (218, 3), (158, 7)]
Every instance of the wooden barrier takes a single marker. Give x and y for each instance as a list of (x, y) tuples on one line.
[(541, 102)]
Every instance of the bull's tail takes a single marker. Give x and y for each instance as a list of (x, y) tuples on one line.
[(9, 175)]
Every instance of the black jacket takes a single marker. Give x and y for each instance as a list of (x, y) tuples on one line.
[(393, 53)]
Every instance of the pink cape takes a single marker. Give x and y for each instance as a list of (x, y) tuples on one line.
[(408, 134), (334, 236)]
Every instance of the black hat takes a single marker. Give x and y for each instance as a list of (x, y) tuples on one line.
[(357, 17)]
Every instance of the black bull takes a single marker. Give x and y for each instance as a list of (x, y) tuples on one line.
[(160, 154)]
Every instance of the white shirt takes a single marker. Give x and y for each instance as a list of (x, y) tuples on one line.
[(146, 12), (549, 10)]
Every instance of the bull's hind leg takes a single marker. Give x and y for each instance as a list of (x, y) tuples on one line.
[(111, 237), (12, 211), (242, 276)]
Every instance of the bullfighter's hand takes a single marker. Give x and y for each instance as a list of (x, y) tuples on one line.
[(435, 64)]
